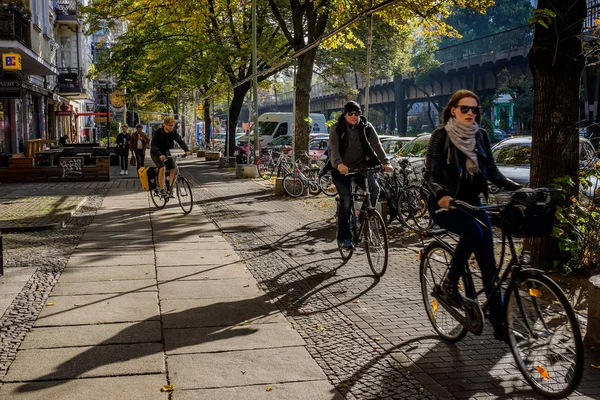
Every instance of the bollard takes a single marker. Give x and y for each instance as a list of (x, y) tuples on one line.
[(1, 257), (593, 328)]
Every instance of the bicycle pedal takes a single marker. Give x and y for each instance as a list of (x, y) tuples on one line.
[(474, 316)]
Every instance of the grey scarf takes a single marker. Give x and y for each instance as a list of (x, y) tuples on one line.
[(463, 136)]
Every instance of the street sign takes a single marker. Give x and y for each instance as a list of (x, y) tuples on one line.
[(10, 86), (11, 62)]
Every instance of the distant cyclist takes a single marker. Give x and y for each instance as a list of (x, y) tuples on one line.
[(459, 163), (353, 144), (163, 140)]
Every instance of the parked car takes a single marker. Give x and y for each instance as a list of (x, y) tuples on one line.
[(415, 149), (499, 135), (392, 145), (318, 146), (513, 157), (282, 143)]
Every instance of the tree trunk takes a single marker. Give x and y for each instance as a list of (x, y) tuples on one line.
[(556, 62), (237, 102), (207, 122), (303, 87)]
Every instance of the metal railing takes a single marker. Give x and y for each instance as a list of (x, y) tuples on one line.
[(13, 27), (66, 7), (593, 13), (512, 39)]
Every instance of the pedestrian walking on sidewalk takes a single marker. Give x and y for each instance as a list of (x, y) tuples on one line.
[(163, 140), (122, 150), (139, 143), (353, 144), (459, 163)]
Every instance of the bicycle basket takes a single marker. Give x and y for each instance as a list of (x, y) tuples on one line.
[(530, 212)]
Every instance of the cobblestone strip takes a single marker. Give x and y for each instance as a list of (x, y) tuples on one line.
[(355, 363), (49, 251)]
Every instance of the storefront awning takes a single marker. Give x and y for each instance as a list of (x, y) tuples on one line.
[(33, 64)]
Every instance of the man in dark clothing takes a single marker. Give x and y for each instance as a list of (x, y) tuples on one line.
[(353, 144), (163, 140)]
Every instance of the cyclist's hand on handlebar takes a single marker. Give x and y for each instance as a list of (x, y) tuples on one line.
[(387, 168), (343, 169), (163, 158), (445, 202)]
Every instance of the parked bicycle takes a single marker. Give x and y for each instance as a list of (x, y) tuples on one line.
[(543, 331), (314, 179), (367, 223), (181, 187)]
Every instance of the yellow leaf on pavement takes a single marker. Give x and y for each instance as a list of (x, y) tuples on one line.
[(51, 304), (269, 388), (595, 366), (167, 388)]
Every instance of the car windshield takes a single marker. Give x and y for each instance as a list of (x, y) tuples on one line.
[(518, 154), (266, 128), (393, 146), (281, 140), (319, 144), (416, 148)]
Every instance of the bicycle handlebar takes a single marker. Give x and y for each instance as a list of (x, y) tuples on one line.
[(458, 204), (365, 171)]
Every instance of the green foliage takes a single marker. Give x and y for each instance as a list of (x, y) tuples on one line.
[(577, 226), (543, 17), (520, 89)]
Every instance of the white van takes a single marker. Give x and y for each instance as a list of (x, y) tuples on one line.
[(275, 124)]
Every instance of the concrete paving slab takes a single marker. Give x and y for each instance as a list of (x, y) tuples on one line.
[(193, 246), (97, 309), (78, 362), (225, 271), (114, 245), (142, 387), (204, 257), (91, 335), (265, 366), (21, 274), (248, 337), (241, 225), (82, 252), (111, 260), (123, 235), (218, 312), (308, 390), (175, 237), (5, 301), (209, 289), (11, 287), (104, 287), (141, 228), (96, 274)]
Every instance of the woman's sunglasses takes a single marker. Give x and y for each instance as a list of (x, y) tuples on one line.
[(465, 109), (353, 113)]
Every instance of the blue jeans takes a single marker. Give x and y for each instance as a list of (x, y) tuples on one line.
[(343, 184), (475, 237)]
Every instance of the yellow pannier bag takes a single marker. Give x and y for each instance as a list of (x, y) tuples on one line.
[(147, 177)]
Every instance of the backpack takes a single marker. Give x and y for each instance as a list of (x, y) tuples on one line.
[(147, 177), (531, 212)]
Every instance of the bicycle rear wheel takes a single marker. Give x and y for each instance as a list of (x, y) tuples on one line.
[(184, 195), (376, 242), (435, 261), (293, 185), (412, 209), (326, 184), (544, 335), (266, 168), (159, 202)]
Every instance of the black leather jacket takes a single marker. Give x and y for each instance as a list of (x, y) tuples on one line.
[(443, 169)]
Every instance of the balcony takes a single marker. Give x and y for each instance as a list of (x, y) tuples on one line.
[(66, 11), (14, 27), (70, 82)]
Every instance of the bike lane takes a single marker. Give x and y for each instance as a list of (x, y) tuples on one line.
[(371, 336)]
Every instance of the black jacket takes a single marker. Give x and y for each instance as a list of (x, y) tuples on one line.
[(162, 142), (338, 143), (443, 168)]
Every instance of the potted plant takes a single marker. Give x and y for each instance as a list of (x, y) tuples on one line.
[(17, 7)]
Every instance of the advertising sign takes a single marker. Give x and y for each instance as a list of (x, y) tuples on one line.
[(11, 62)]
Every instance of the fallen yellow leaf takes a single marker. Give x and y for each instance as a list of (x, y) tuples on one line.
[(595, 366), (434, 305), (535, 293), (269, 388), (51, 304), (167, 388), (543, 373)]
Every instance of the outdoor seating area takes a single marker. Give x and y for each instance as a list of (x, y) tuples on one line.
[(43, 163)]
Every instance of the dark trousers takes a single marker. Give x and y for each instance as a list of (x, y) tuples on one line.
[(343, 184), (475, 231), (139, 157), (124, 160)]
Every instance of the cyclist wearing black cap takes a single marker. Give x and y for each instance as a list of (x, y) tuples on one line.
[(353, 144)]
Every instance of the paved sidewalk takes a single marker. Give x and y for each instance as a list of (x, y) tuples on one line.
[(151, 298)]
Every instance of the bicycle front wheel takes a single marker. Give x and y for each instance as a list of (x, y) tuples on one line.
[(159, 202), (412, 209), (544, 335), (265, 168), (293, 185), (327, 186), (435, 262), (376, 242), (184, 195)]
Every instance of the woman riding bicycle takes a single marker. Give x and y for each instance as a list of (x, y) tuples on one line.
[(353, 143), (459, 163)]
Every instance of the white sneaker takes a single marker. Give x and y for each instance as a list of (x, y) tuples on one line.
[(126, 172), (122, 172)]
